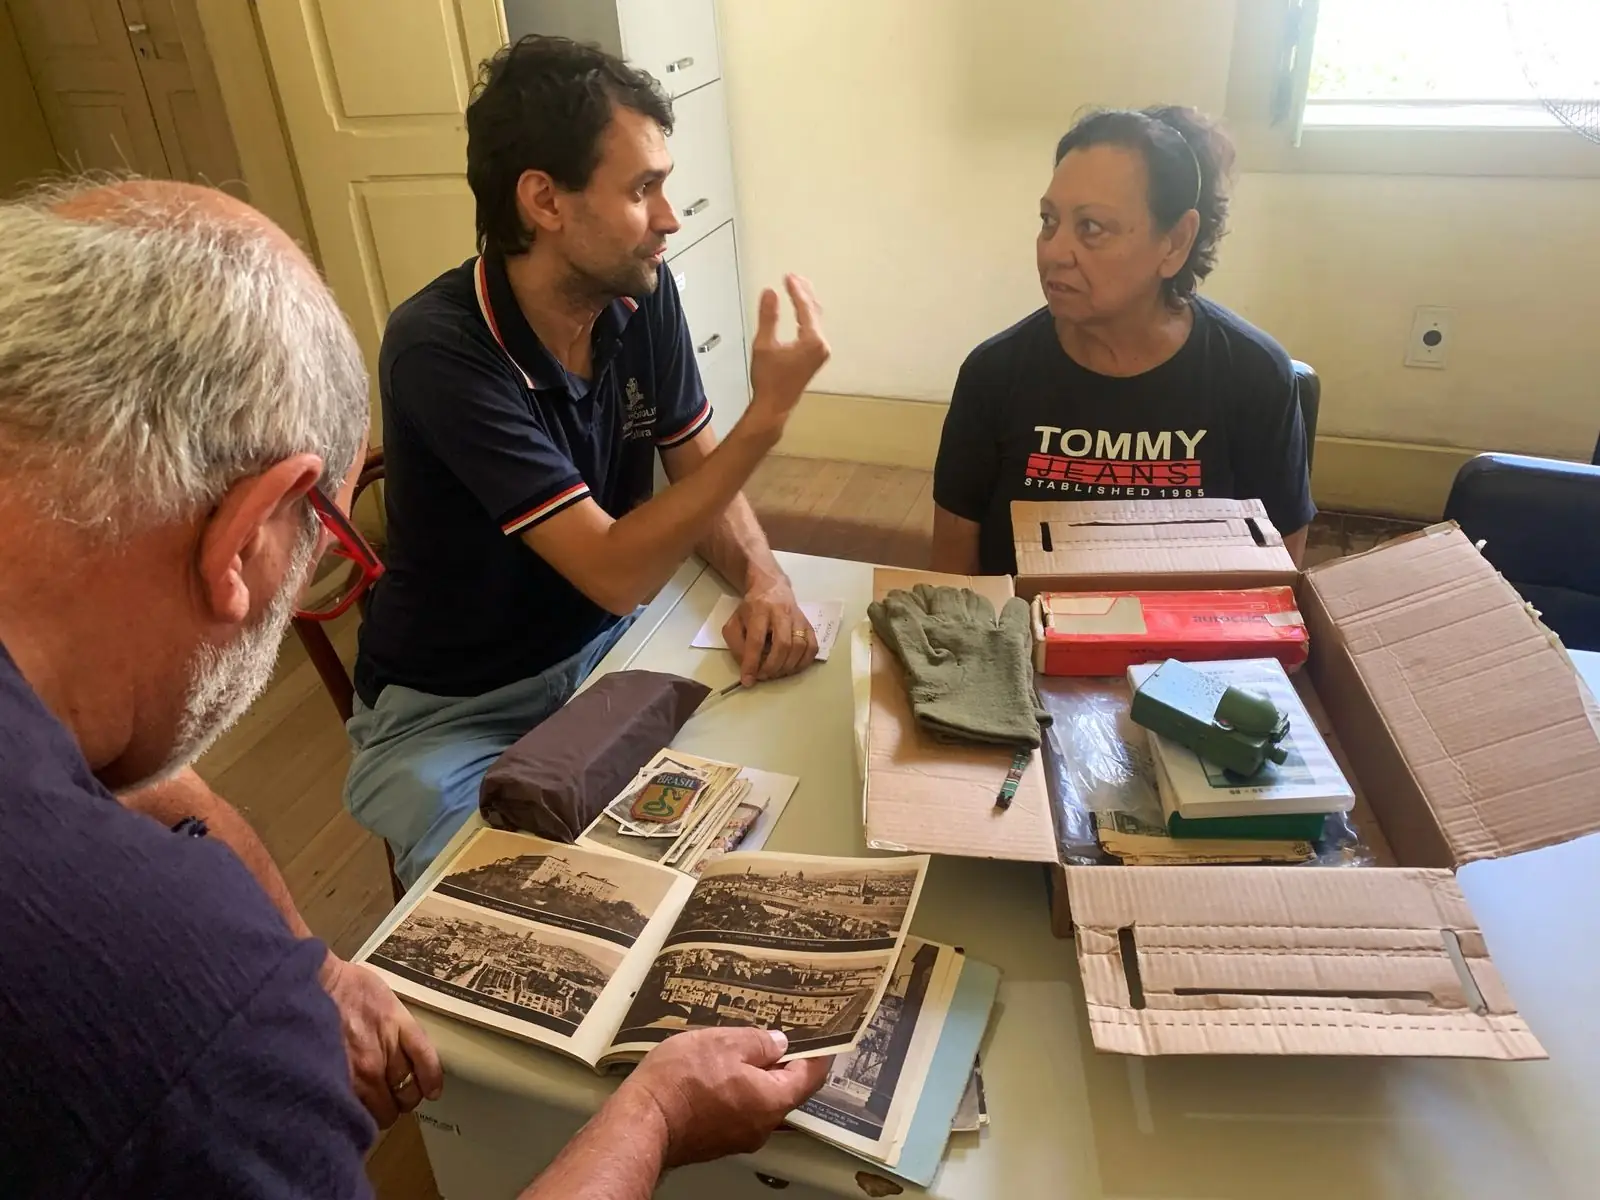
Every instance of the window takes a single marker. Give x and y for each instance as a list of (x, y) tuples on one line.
[(1450, 63), (1472, 87)]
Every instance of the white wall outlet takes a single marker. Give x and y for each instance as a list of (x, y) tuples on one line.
[(1429, 344)]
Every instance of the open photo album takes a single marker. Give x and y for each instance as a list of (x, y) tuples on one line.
[(599, 955)]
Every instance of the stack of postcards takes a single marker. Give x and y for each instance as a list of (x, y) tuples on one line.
[(685, 812)]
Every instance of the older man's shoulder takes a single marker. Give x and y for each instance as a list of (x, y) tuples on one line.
[(132, 956)]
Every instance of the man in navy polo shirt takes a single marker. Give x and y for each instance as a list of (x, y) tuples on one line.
[(525, 396)]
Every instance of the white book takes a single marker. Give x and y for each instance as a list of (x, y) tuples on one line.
[(1308, 781)]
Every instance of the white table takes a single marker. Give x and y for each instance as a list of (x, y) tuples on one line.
[(1066, 1120)]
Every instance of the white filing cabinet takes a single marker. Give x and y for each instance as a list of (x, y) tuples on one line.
[(676, 41)]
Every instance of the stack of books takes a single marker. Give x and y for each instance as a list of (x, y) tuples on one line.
[(1288, 801)]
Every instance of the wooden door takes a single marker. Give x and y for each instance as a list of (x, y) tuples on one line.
[(374, 98), (170, 50), (87, 79)]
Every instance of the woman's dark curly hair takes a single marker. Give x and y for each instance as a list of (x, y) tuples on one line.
[(1189, 160)]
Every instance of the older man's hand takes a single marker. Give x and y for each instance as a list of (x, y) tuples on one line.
[(769, 634), (722, 1091), (393, 1065)]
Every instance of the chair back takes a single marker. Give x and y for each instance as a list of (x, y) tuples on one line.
[(1308, 391), (1539, 521), (330, 668)]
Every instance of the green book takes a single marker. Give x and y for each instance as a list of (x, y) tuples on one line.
[(1288, 827)]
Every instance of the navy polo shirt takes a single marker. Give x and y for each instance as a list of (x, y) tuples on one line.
[(485, 435)]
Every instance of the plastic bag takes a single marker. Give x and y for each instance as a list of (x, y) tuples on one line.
[(1097, 761)]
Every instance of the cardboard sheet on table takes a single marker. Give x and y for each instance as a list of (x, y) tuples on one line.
[(1289, 960), (938, 797)]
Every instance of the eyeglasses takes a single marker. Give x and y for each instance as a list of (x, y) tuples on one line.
[(348, 545)]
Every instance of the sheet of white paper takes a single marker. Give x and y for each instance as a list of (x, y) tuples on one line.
[(825, 616)]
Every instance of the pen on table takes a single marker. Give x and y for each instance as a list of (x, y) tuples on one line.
[(739, 683)]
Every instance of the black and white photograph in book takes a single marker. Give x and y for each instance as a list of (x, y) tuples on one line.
[(601, 895), (861, 1082), (792, 904), (542, 976), (818, 1002)]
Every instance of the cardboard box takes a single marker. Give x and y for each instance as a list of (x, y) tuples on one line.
[(936, 797), (1467, 734), (1125, 545), (1105, 633)]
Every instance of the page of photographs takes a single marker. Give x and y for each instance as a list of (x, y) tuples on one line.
[(534, 938), (869, 1102), (785, 941)]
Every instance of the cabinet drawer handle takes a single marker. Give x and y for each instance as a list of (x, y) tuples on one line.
[(710, 344), (698, 207), (138, 27), (681, 64)]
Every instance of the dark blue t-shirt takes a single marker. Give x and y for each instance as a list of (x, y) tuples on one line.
[(161, 1033), (485, 434), (1220, 418)]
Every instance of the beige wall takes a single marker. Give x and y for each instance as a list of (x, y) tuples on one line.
[(26, 151), (894, 151)]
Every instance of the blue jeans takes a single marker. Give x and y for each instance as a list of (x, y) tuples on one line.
[(420, 759)]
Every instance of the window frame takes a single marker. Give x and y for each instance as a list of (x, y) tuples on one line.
[(1267, 81)]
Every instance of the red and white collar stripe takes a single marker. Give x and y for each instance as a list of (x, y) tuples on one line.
[(480, 278)]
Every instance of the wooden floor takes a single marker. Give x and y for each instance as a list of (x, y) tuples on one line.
[(859, 511), (885, 514), (284, 764)]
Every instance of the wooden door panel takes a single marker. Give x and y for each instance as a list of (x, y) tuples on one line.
[(410, 227), (419, 71), (62, 28), (374, 107), (82, 63), (96, 127), (169, 48)]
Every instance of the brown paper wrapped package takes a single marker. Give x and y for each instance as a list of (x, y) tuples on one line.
[(558, 777)]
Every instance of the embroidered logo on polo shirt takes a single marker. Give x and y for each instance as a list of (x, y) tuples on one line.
[(639, 420)]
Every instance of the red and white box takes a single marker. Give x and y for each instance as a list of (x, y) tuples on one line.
[(1104, 633)]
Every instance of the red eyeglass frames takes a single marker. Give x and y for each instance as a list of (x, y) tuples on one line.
[(348, 545)]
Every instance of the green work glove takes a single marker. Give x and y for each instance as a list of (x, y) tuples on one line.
[(970, 676)]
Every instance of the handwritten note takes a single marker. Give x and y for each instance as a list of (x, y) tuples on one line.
[(825, 616)]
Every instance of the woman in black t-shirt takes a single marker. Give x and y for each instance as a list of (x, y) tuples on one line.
[(1126, 385)]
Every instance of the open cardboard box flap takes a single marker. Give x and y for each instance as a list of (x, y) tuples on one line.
[(1126, 543), (1288, 960), (1501, 739), (938, 797), (1473, 736)]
